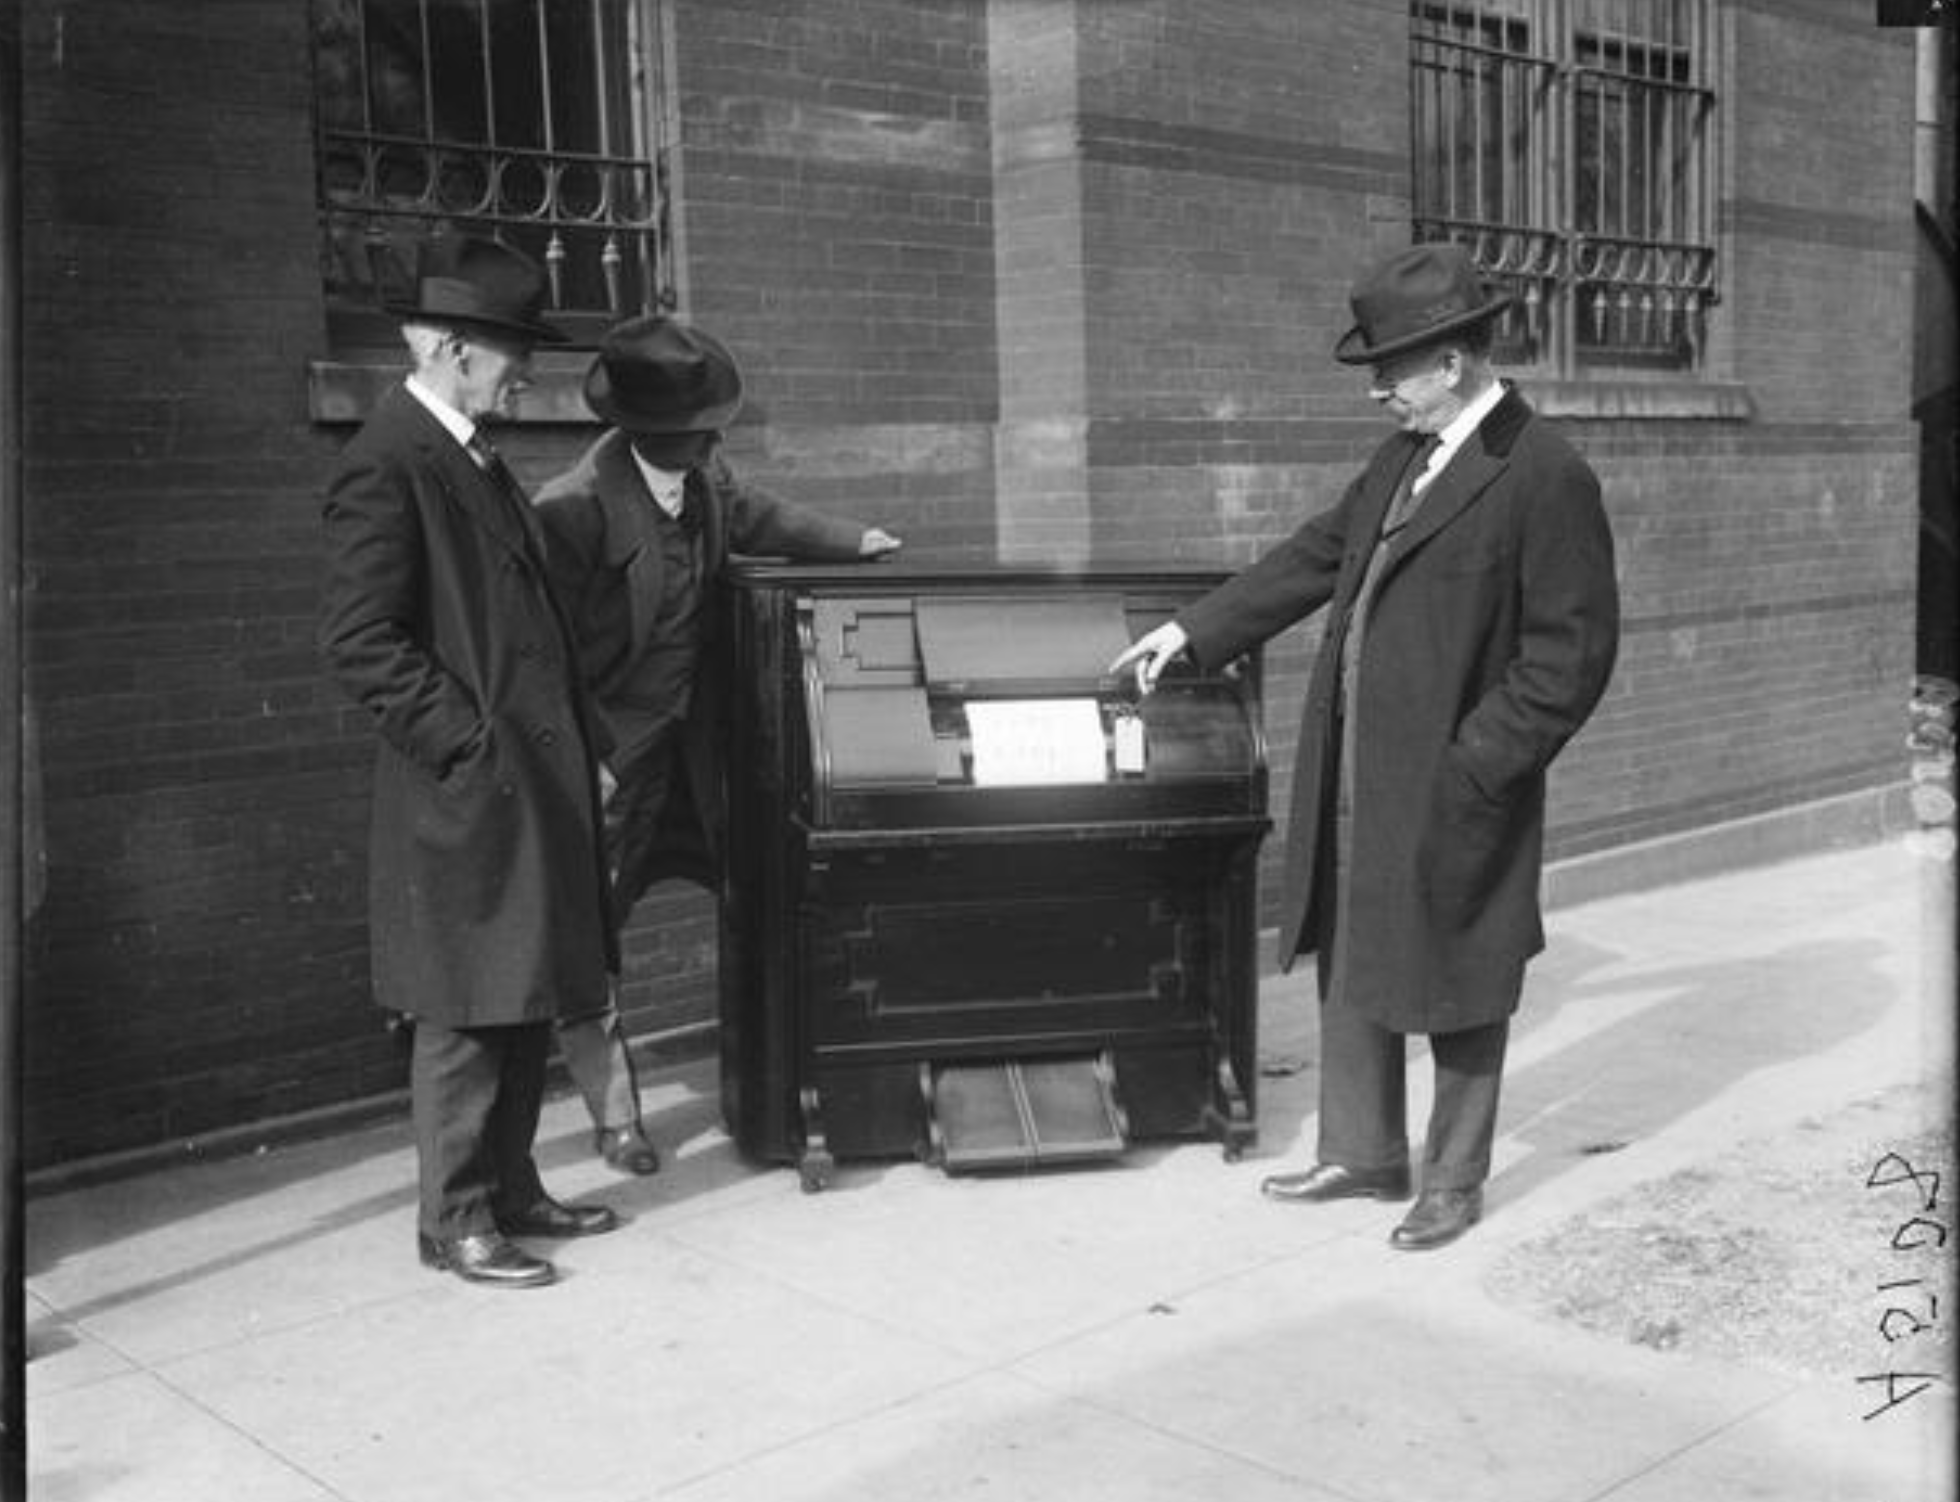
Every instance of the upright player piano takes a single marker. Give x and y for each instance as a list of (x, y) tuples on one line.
[(983, 906)]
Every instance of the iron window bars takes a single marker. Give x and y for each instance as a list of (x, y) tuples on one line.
[(1570, 144), (524, 119)]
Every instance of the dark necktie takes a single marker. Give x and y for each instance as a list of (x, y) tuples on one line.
[(1403, 505), (492, 463), (484, 452)]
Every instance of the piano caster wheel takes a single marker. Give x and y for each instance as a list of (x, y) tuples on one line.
[(1233, 1152), (814, 1171)]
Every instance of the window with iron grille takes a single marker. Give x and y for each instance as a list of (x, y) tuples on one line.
[(1570, 144), (529, 120)]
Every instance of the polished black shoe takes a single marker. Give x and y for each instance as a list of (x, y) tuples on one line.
[(548, 1217), (627, 1149), (1437, 1218), (486, 1259), (1330, 1181)]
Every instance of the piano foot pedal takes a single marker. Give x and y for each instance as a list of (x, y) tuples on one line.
[(1023, 1113)]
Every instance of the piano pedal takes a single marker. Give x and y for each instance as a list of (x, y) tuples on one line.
[(1022, 1113)]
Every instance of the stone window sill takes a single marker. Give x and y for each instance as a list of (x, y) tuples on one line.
[(1642, 401), (344, 391)]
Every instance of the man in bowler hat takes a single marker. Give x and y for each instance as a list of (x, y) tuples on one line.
[(487, 888), (1473, 620), (637, 530)]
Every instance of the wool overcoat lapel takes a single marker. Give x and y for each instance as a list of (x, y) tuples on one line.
[(1482, 457), (475, 493), (631, 541)]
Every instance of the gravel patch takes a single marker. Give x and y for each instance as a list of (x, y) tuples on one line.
[(1774, 1252)]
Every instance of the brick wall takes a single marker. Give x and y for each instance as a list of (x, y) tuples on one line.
[(201, 956), (200, 939), (1767, 565), (1048, 277), (1227, 209), (835, 220), (1766, 650)]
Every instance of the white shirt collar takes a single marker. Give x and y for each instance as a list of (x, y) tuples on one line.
[(667, 487), (1458, 429), (460, 427)]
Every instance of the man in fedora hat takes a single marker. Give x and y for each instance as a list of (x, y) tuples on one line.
[(637, 529), (1472, 627), (487, 885)]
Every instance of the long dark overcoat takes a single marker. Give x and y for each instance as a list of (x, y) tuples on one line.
[(610, 570), (1491, 637), (487, 890)]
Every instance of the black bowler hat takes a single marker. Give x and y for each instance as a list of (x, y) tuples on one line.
[(1417, 296), (468, 282), (659, 375)]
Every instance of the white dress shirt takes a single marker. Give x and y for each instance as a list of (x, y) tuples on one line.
[(460, 427), (667, 487), (1456, 432)]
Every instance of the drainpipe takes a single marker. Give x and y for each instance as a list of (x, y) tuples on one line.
[(13, 1312)]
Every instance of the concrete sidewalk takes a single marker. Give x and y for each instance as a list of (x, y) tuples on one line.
[(259, 1329)]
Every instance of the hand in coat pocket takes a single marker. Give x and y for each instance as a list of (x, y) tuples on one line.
[(467, 767), (1464, 836)]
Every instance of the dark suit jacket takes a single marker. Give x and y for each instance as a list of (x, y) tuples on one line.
[(487, 885), (1491, 637), (608, 567)]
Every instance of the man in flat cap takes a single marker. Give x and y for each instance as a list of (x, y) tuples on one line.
[(637, 531), (1472, 626), (487, 888)]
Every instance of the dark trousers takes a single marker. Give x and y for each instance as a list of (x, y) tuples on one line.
[(1364, 1100), (652, 788), (476, 1093), (650, 816), (1363, 1065)]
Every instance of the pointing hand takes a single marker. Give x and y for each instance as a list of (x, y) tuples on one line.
[(1152, 653)]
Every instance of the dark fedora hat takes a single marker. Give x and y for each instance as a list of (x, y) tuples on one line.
[(1417, 296), (656, 374), (469, 282)]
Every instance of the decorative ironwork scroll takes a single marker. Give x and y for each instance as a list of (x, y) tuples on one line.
[(517, 118)]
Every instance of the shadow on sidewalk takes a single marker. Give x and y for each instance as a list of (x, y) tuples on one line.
[(1706, 1028), (1710, 1027), (322, 1188)]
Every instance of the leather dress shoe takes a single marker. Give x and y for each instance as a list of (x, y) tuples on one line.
[(487, 1258), (1437, 1218), (627, 1149), (1330, 1181), (547, 1217)]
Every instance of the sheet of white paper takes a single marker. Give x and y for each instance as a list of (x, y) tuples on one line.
[(1036, 742)]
